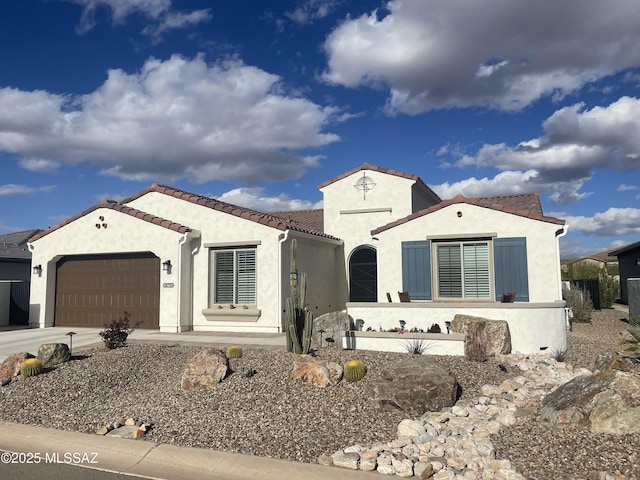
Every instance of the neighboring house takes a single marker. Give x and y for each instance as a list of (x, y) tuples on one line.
[(629, 264), (180, 261), (597, 261), (15, 258), (15, 275)]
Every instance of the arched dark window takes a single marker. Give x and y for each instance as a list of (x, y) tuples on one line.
[(363, 275)]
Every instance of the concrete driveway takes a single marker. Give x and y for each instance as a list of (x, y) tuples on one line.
[(29, 339)]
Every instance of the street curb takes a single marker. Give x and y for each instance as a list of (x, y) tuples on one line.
[(160, 461)]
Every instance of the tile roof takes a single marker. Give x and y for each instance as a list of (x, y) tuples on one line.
[(503, 203), (388, 171), (313, 219), (288, 220), (118, 207)]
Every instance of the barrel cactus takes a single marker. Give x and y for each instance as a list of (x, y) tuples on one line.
[(30, 367), (234, 351), (354, 370)]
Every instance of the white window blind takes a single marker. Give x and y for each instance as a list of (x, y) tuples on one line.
[(463, 270), (476, 270), (235, 276)]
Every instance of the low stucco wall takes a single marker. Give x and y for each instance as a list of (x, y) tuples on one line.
[(434, 343), (534, 327)]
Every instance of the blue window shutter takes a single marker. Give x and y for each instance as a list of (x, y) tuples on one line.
[(416, 269), (510, 267)]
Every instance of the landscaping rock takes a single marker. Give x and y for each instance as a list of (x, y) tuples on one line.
[(608, 360), (493, 336), (417, 385), (11, 366), (333, 325), (315, 372), (605, 402), (52, 354), (205, 370)]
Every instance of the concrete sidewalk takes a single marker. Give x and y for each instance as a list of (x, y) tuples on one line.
[(30, 339), (160, 461)]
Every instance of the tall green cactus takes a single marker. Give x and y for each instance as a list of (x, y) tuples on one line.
[(298, 320)]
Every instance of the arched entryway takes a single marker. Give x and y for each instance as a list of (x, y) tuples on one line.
[(363, 275)]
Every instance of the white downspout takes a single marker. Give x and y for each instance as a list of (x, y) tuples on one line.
[(186, 236), (558, 237), (284, 238)]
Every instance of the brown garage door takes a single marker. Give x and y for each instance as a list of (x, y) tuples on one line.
[(92, 290)]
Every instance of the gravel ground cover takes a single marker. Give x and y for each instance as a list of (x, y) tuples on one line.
[(273, 415), (540, 451)]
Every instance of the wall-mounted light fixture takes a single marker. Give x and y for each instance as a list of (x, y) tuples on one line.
[(37, 270), (166, 266)]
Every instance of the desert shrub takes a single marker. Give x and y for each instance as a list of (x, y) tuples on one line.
[(247, 372), (609, 290), (559, 355), (116, 333), (580, 303), (416, 346)]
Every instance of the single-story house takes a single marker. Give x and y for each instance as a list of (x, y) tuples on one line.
[(629, 264), (179, 261)]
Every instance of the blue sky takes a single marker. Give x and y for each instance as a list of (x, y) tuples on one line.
[(258, 102)]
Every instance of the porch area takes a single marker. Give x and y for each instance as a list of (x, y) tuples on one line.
[(534, 327)]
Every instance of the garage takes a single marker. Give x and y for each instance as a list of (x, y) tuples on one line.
[(92, 290)]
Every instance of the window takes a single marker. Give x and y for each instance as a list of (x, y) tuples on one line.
[(234, 276), (463, 270)]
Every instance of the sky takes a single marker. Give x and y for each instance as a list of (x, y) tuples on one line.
[(256, 103)]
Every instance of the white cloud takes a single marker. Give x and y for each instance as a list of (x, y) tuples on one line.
[(610, 223), (175, 21), (255, 198), (433, 54), (513, 182), (159, 12), (576, 142), (42, 165), (173, 119), (312, 10), (11, 189), (625, 188)]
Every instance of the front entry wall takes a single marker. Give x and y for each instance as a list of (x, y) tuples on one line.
[(92, 290)]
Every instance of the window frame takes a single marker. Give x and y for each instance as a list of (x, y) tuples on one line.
[(213, 277), (435, 269)]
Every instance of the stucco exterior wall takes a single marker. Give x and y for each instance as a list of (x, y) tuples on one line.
[(315, 256), (123, 234), (351, 216), (542, 245), (534, 327)]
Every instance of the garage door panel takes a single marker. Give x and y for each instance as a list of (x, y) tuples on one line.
[(92, 290)]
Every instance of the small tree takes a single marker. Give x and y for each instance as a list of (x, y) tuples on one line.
[(580, 303)]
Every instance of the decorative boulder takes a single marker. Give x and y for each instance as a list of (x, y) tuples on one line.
[(604, 402), (607, 360), (330, 325), (11, 366), (205, 370), (492, 336), (316, 372), (417, 385), (52, 354)]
